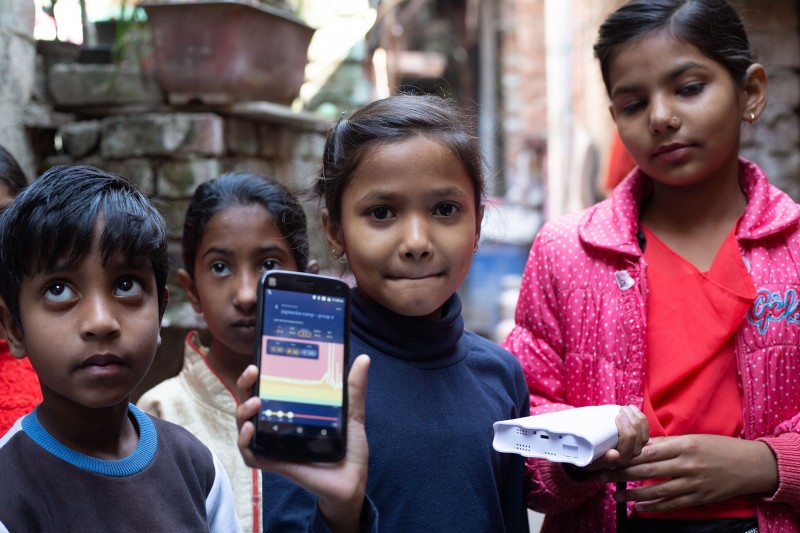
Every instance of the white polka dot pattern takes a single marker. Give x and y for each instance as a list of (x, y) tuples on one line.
[(580, 337)]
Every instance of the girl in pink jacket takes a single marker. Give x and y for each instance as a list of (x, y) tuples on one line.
[(678, 295)]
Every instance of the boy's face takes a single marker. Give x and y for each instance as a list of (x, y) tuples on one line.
[(89, 330)]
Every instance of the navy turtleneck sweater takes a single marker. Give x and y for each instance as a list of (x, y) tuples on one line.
[(433, 392)]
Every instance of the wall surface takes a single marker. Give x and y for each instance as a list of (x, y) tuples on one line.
[(17, 63)]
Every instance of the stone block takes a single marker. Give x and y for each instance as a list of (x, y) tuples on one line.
[(309, 146), (241, 137), (777, 49), (772, 16), (162, 134), (57, 160), (80, 138), (784, 95), (303, 173), (782, 135), (179, 179), (174, 213), (254, 165), (269, 138), (138, 170), (84, 84)]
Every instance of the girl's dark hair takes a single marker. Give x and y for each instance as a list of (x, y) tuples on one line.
[(710, 25), (242, 188), (52, 221), (394, 119), (11, 174)]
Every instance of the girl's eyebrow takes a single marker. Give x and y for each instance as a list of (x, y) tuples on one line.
[(388, 196), (669, 77), (218, 250)]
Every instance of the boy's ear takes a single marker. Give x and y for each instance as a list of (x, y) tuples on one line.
[(161, 314), (754, 92), (333, 235), (187, 283), (13, 333)]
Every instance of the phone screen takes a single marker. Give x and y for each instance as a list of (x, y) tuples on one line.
[(302, 360)]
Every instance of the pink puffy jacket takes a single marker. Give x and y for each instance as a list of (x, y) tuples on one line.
[(580, 337)]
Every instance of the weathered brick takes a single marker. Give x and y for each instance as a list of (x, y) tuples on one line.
[(174, 213), (270, 138), (262, 167), (80, 138), (179, 179), (73, 84), (777, 49), (162, 134), (309, 145), (138, 170), (241, 136)]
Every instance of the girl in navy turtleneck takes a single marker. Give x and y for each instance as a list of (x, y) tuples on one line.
[(402, 189)]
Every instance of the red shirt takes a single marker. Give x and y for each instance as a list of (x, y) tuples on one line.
[(692, 385)]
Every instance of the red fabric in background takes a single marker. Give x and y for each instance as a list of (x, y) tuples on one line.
[(620, 163), (19, 388)]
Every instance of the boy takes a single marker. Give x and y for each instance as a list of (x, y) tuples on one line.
[(83, 268)]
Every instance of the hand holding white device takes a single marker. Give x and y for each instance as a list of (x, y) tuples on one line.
[(577, 436)]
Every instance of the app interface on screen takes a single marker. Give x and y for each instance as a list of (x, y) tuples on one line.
[(302, 360)]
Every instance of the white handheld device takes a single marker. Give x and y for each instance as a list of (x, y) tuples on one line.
[(577, 436)]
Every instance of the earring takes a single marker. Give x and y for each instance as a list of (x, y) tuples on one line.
[(475, 250), (334, 256), (752, 117)]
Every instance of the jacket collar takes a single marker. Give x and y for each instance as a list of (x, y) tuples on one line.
[(613, 224)]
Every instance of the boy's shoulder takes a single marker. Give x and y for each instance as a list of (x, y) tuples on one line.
[(170, 472), (28, 438)]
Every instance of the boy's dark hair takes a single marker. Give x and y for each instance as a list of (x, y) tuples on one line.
[(11, 174), (394, 119), (242, 188), (710, 25), (53, 219)]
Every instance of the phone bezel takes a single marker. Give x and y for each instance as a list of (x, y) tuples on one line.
[(316, 448)]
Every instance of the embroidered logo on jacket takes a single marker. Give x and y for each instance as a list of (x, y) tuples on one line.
[(770, 307)]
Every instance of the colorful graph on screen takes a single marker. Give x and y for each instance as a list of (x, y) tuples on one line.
[(291, 374)]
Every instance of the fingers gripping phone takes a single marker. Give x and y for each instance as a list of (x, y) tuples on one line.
[(302, 353)]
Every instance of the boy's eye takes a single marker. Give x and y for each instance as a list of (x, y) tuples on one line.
[(270, 264), (446, 209), (128, 287), (220, 269), (59, 292), (380, 213)]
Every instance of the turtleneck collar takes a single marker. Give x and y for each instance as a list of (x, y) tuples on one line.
[(411, 339)]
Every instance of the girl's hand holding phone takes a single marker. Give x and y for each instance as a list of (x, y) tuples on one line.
[(633, 435), (340, 487), (697, 469)]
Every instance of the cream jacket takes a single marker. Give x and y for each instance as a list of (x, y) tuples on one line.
[(199, 401)]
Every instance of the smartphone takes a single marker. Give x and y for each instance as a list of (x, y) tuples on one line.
[(302, 353)]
